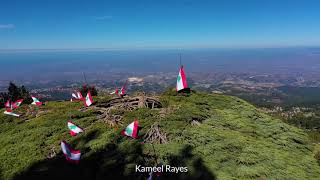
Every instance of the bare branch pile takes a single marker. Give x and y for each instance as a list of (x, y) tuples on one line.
[(33, 111), (109, 118), (132, 103), (154, 135)]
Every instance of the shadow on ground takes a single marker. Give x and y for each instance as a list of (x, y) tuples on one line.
[(196, 167), (112, 162)]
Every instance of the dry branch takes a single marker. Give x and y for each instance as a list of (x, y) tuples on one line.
[(154, 135), (131, 103), (52, 153), (126, 104)]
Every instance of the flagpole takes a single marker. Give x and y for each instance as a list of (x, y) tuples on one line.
[(113, 82), (11, 96), (125, 84), (85, 78)]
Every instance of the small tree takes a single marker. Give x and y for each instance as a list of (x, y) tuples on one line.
[(93, 90), (85, 89), (15, 93), (25, 95), (3, 98)]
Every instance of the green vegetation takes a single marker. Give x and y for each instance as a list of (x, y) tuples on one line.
[(290, 98), (14, 93), (305, 117), (232, 140), (300, 96), (85, 88), (284, 96)]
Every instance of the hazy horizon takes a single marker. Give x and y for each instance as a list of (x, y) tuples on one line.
[(46, 65)]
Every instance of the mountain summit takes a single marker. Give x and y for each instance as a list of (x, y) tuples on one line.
[(215, 136)]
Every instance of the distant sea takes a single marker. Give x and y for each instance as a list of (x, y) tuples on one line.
[(69, 64)]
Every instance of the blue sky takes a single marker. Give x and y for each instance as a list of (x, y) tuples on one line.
[(37, 24)]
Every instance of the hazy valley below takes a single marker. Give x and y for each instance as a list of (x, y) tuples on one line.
[(278, 79)]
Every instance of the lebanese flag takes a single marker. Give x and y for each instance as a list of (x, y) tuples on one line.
[(88, 101), (74, 95), (7, 105), (123, 90), (16, 104), (181, 80), (36, 101), (71, 155), (115, 92), (77, 96), (131, 130), (74, 129), (154, 175), (9, 112)]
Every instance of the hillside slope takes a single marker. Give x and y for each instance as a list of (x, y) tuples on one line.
[(215, 136)]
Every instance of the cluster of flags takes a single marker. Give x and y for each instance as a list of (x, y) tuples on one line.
[(11, 106), (14, 105), (132, 130), (73, 155), (77, 96), (70, 154), (122, 91)]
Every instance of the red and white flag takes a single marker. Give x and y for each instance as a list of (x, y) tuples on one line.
[(7, 105), (9, 112), (70, 154), (181, 80), (16, 104), (115, 92), (123, 90), (36, 101), (88, 101), (131, 130), (74, 129), (77, 96)]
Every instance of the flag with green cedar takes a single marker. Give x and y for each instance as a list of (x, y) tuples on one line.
[(74, 129), (131, 130), (181, 80)]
